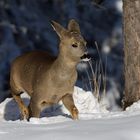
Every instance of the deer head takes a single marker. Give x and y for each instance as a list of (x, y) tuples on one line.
[(72, 44)]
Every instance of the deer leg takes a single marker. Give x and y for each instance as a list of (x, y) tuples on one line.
[(23, 109), (34, 109), (69, 104)]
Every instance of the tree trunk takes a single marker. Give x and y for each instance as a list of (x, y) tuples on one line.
[(131, 24)]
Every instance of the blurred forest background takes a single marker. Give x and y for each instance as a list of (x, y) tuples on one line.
[(25, 26)]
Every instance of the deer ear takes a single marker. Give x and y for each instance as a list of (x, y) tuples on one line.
[(60, 30), (73, 26)]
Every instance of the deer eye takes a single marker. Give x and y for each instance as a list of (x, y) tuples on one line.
[(74, 45)]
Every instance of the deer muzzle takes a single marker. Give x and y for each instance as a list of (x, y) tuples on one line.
[(86, 57)]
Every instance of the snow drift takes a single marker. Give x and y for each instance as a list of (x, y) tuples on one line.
[(84, 101)]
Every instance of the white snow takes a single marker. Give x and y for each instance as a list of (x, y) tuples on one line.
[(95, 122)]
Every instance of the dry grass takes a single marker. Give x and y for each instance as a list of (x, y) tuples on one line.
[(98, 77)]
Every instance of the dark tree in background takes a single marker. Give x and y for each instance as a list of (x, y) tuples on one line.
[(132, 50)]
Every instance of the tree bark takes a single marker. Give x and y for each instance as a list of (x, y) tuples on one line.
[(131, 26)]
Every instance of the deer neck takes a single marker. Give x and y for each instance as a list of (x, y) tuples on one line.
[(65, 63)]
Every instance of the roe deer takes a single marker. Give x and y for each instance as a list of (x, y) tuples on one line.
[(49, 79)]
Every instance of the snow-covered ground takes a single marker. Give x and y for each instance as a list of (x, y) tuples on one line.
[(95, 122)]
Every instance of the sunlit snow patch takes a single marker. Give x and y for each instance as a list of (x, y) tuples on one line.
[(86, 103)]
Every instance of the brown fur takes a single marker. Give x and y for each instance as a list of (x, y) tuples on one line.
[(48, 79)]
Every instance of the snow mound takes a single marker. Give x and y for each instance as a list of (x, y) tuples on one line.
[(86, 103), (134, 109)]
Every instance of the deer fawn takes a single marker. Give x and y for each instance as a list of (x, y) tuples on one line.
[(49, 79)]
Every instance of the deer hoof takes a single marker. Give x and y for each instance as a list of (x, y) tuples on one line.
[(75, 113), (25, 113)]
